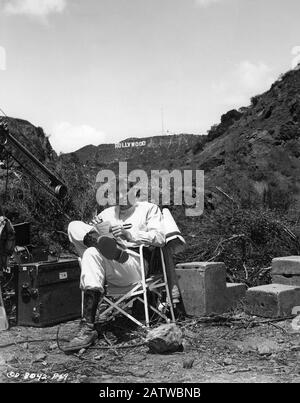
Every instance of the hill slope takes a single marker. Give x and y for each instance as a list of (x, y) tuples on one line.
[(144, 153), (258, 156)]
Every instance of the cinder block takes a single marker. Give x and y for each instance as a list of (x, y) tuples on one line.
[(203, 287), (286, 279), (235, 292), (286, 265), (272, 300), (286, 270)]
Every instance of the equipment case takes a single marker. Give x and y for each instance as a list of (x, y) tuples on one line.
[(48, 293)]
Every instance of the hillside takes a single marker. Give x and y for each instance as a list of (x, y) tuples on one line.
[(33, 138), (151, 152), (258, 156)]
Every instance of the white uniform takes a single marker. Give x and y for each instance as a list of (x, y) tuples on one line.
[(147, 228)]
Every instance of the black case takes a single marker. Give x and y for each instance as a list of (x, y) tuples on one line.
[(48, 293)]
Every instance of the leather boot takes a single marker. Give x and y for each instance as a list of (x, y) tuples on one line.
[(87, 335)]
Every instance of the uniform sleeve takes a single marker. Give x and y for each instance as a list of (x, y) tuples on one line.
[(154, 235)]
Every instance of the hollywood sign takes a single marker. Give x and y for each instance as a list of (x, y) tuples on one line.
[(131, 144)]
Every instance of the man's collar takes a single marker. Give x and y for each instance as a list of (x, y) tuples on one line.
[(132, 207)]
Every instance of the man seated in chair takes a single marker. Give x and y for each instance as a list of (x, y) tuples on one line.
[(112, 259)]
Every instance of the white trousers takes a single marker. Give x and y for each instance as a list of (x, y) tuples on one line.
[(96, 270)]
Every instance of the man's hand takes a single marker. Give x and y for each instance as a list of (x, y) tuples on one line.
[(96, 220), (121, 232)]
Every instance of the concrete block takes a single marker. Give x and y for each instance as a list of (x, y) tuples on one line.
[(286, 279), (286, 265), (235, 292), (272, 300), (203, 287), (286, 270)]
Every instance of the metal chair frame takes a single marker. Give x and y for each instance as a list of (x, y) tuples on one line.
[(116, 296)]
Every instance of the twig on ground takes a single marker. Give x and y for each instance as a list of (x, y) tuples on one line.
[(263, 270), (28, 341), (220, 245), (246, 271), (278, 327), (282, 319), (234, 371), (225, 194)]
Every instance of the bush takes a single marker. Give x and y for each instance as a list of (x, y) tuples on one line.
[(245, 239), (227, 120)]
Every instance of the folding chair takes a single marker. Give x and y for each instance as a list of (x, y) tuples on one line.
[(119, 298)]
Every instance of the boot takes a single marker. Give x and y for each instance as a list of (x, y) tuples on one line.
[(87, 334), (111, 250)]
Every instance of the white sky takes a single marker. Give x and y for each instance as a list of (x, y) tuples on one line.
[(94, 71)]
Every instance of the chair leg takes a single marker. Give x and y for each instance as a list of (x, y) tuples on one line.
[(144, 287), (115, 306), (169, 300)]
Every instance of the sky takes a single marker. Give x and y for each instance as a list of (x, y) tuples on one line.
[(100, 71)]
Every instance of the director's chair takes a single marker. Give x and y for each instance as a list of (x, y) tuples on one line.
[(120, 298)]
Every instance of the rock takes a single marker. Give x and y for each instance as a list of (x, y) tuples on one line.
[(40, 357), (186, 345), (264, 349), (258, 344), (164, 339), (99, 357), (227, 361), (296, 324), (91, 379), (189, 334), (2, 361), (53, 346), (296, 310), (12, 359), (188, 363), (82, 351)]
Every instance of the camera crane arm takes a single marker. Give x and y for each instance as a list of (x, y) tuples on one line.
[(56, 187)]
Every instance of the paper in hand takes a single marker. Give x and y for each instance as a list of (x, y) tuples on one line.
[(103, 228)]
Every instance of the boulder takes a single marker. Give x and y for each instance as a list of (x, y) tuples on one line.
[(164, 339)]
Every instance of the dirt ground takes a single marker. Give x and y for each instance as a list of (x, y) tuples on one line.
[(231, 348)]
